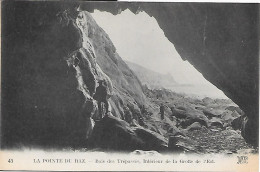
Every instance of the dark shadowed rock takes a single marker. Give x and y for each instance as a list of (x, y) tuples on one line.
[(188, 122), (111, 133), (56, 74), (114, 134), (216, 122), (247, 131), (228, 116), (194, 116), (243, 123), (178, 113), (153, 140), (238, 122)]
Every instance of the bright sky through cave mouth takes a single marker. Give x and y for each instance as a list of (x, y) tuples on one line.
[(139, 39)]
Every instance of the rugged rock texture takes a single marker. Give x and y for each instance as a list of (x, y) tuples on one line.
[(216, 122), (126, 89), (194, 126), (220, 40), (40, 87), (53, 57), (114, 134)]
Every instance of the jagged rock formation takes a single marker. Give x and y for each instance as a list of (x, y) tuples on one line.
[(53, 63), (125, 88), (44, 96), (114, 134), (220, 40)]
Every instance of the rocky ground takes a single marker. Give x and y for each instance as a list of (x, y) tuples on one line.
[(219, 141), (192, 126), (209, 129)]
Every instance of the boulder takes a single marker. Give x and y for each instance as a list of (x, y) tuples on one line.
[(194, 126), (193, 115), (216, 122), (235, 108), (112, 133), (178, 113), (207, 100), (196, 114), (210, 113), (235, 114), (190, 120), (152, 140), (183, 108), (232, 118), (227, 117)]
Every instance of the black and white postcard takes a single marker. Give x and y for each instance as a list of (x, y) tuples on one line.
[(126, 86)]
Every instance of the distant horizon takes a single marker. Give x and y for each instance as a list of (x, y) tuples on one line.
[(152, 50), (199, 91), (127, 61)]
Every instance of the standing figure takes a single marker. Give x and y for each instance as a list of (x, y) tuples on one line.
[(162, 111), (101, 95), (128, 115)]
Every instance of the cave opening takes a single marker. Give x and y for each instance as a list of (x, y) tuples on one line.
[(139, 40), (229, 60)]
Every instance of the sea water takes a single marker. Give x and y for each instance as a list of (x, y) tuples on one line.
[(199, 91)]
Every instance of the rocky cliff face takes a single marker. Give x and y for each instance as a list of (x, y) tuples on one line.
[(152, 79), (54, 57), (123, 84), (220, 40)]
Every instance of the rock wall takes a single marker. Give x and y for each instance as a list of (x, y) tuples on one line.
[(53, 56), (222, 42), (219, 40), (39, 77), (38, 87)]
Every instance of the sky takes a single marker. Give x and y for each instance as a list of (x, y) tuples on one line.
[(139, 39)]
